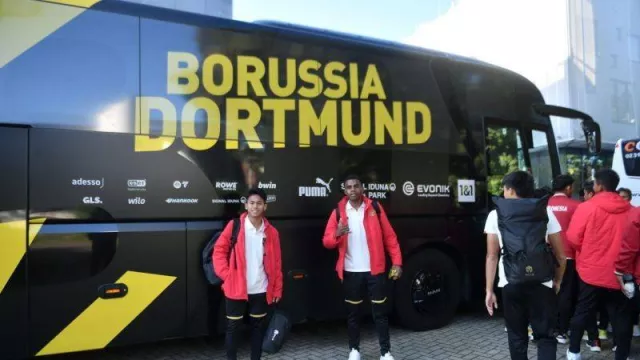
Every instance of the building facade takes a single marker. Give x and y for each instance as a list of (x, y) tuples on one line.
[(582, 54)]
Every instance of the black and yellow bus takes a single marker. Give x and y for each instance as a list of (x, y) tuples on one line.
[(129, 134)]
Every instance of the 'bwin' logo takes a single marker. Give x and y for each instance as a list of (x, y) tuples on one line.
[(316, 191)]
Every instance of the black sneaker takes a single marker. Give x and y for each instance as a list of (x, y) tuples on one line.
[(594, 345)]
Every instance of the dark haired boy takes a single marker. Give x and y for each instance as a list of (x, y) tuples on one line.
[(563, 207), (524, 223), (363, 236), (251, 271), (595, 233)]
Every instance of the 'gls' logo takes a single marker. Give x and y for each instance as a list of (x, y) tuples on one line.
[(91, 200)]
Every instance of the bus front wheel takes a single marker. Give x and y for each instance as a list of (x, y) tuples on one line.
[(428, 293)]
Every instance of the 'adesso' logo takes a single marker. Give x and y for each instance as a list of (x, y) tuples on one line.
[(88, 182)]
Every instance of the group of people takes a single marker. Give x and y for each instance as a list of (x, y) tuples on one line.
[(251, 269), (562, 263)]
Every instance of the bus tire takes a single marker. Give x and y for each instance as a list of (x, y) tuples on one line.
[(428, 292)]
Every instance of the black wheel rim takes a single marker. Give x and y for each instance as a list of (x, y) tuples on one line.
[(427, 291)]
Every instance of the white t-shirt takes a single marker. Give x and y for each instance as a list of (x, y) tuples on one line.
[(357, 256), (254, 253), (491, 227)]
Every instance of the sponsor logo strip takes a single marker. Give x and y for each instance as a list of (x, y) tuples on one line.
[(104, 319), (13, 235), (23, 24)]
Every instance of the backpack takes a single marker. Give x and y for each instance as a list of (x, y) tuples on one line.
[(207, 261), (374, 203), (526, 256), (276, 334)]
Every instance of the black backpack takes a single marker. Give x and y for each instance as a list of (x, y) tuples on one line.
[(526, 256), (375, 205), (207, 252)]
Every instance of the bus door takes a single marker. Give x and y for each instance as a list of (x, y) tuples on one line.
[(512, 146), (13, 243)]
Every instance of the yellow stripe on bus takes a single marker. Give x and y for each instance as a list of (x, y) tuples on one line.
[(81, 3), (13, 245), (104, 319), (24, 23)]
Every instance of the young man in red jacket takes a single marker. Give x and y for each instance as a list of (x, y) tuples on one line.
[(563, 207), (362, 236), (251, 272), (595, 233), (627, 264)]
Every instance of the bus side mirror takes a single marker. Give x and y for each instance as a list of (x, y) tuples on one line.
[(590, 128), (591, 131)]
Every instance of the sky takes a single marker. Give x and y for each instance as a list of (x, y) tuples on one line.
[(506, 33), (362, 17)]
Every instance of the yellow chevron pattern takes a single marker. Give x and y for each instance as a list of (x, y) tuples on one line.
[(104, 319), (24, 23), (13, 238)]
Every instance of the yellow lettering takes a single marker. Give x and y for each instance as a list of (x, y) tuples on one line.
[(235, 124), (143, 141), (413, 137), (279, 108), (347, 123), (310, 122), (310, 78), (385, 120), (250, 71), (274, 77), (189, 123), (226, 73), (334, 79), (354, 85), (372, 85), (176, 73)]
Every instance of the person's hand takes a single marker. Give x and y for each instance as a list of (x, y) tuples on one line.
[(276, 300), (491, 302), (628, 291), (395, 272), (342, 229), (556, 286)]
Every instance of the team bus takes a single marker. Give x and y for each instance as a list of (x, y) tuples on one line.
[(626, 162), (129, 135)]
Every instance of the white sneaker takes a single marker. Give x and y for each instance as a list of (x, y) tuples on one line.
[(572, 356), (386, 356), (354, 354)]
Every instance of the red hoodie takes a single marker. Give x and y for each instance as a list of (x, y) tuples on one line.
[(380, 236), (596, 232), (563, 208), (628, 261), (234, 272)]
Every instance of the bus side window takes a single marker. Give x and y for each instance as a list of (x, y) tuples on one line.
[(504, 154), (540, 157)]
